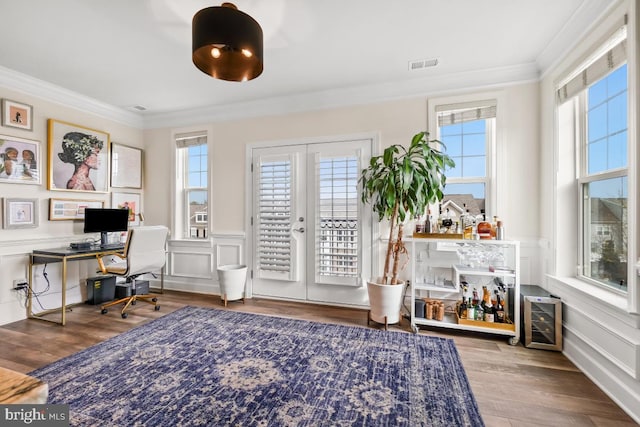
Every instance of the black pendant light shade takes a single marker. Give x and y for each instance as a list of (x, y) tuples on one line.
[(227, 43)]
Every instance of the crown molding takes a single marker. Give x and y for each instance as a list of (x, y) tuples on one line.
[(28, 85), (346, 97), (427, 85)]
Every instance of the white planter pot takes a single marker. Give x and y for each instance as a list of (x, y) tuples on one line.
[(232, 281), (385, 302)]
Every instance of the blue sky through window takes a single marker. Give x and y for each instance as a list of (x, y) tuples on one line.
[(607, 123)]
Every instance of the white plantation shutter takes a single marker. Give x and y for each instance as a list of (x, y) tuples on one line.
[(337, 217), (275, 200)]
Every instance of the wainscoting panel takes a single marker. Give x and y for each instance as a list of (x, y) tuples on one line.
[(619, 350), (190, 264)]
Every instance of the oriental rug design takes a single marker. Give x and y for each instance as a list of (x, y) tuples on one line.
[(210, 367)]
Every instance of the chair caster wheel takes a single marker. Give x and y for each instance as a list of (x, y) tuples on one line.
[(104, 311), (156, 308), (154, 299), (124, 315)]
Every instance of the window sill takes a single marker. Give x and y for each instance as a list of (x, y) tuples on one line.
[(600, 294)]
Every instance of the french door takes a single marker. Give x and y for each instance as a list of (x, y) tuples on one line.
[(311, 234)]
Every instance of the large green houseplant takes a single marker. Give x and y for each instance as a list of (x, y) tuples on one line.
[(399, 184)]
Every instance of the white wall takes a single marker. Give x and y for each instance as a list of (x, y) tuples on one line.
[(17, 244), (394, 122), (600, 335)]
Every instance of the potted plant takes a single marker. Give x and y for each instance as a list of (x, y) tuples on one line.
[(400, 184)]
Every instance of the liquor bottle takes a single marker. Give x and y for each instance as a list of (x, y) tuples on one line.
[(494, 226), (486, 296), (440, 229), (489, 312), (479, 312), (419, 224), (427, 222), (467, 225), (499, 230), (462, 309), (471, 311), (499, 312), (484, 227), (475, 300)]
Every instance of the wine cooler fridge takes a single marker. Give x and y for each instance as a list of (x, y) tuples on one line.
[(541, 318)]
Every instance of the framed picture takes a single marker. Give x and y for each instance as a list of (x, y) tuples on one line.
[(17, 115), (70, 209), (126, 166), (129, 201), (20, 160), (20, 213), (78, 158)]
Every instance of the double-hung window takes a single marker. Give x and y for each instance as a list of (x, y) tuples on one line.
[(193, 189), (596, 96), (468, 132)]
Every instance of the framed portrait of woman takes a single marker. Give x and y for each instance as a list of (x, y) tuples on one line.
[(78, 158)]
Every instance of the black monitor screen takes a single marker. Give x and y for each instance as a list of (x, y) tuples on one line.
[(105, 220)]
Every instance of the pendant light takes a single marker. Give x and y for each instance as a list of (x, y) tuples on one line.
[(227, 43)]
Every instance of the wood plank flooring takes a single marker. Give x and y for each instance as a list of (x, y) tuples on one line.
[(513, 385)]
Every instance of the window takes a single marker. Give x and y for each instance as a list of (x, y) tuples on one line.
[(597, 93), (192, 156), (468, 133)]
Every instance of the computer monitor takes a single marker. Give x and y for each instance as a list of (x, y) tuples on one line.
[(104, 221)]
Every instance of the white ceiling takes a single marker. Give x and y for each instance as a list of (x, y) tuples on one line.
[(116, 54)]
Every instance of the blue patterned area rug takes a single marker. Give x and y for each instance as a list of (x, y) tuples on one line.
[(200, 366)]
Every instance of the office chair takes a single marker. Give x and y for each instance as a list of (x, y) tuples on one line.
[(143, 253)]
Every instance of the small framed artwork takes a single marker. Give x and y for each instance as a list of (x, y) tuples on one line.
[(130, 201), (17, 115), (19, 160), (78, 158), (126, 166), (20, 213), (70, 209)]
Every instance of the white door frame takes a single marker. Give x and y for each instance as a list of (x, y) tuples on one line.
[(372, 225)]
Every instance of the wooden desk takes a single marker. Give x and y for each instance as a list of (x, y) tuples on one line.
[(62, 255), (18, 388)]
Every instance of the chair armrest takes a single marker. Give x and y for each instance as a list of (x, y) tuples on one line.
[(103, 269)]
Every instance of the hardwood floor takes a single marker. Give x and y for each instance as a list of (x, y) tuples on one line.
[(514, 386)]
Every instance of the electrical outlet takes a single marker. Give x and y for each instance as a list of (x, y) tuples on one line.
[(20, 283)]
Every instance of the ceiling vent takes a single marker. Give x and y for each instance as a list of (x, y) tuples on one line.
[(419, 64)]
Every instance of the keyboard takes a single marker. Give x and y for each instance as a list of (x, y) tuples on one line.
[(112, 246)]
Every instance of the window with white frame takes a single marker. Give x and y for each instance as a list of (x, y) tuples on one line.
[(468, 132), (192, 203), (596, 94)]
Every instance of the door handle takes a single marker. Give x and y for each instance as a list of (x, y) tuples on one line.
[(299, 230)]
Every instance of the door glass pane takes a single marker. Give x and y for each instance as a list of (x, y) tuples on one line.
[(338, 217), (605, 232)]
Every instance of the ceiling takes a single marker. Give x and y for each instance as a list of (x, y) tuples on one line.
[(112, 56)]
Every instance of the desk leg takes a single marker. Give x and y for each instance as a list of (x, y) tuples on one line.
[(63, 309), (30, 289)]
